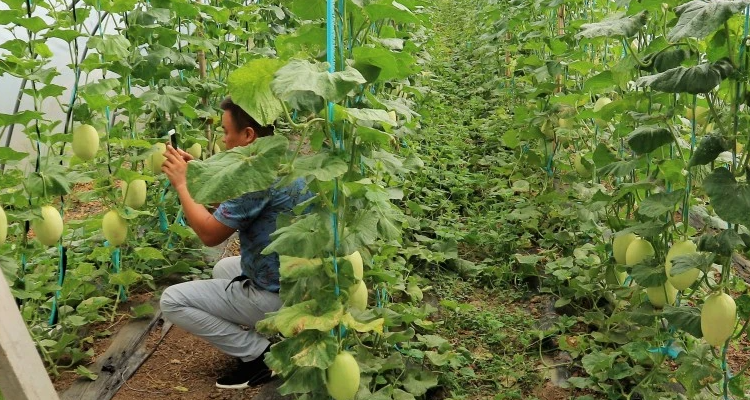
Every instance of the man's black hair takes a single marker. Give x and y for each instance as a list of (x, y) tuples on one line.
[(243, 120)]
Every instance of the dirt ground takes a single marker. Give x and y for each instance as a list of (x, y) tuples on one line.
[(182, 367)]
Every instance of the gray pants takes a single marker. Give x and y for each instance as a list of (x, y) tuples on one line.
[(205, 309)]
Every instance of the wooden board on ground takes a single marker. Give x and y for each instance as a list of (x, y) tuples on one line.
[(123, 357), (22, 373)]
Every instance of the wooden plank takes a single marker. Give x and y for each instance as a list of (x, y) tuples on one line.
[(22, 373), (123, 357)]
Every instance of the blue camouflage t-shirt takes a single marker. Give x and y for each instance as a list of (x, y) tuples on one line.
[(254, 216)]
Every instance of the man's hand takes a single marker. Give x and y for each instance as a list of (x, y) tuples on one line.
[(175, 166)]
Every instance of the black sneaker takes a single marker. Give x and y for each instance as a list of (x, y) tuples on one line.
[(246, 374)]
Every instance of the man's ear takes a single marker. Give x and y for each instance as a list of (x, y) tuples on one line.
[(250, 134)]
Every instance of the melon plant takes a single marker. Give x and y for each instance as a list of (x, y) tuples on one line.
[(3, 225), (115, 228), (718, 317), (134, 194), (659, 296), (342, 377), (358, 296), (357, 264), (195, 150), (683, 280), (48, 229), (85, 141)]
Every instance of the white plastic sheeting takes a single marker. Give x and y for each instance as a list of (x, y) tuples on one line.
[(10, 86)]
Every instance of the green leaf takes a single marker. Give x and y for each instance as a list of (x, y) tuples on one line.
[(250, 88), (303, 380), (618, 169), (603, 156), (600, 361), (306, 86), (599, 82), (112, 47), (376, 63), (623, 26), (307, 10), (290, 321), (649, 275), (295, 267), (149, 253), (730, 199), (417, 382), (371, 135), (23, 117), (113, 6), (86, 373), (319, 351), (743, 306), (34, 24), (305, 238), (687, 262), (309, 39), (709, 148), (375, 325), (392, 11), (324, 166), (235, 172), (9, 267), (686, 318), (646, 139), (694, 80), (142, 310), (699, 18), (657, 204), (7, 154), (125, 278)]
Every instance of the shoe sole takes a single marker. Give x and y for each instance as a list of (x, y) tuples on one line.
[(254, 381)]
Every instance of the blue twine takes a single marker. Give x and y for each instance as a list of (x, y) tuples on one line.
[(116, 267)]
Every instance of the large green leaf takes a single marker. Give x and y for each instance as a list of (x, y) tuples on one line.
[(307, 86), (9, 267), (250, 88), (699, 18), (113, 47), (376, 63), (619, 169), (307, 9), (730, 199), (686, 262), (709, 148), (417, 382), (309, 39), (685, 318), (646, 139), (694, 80), (290, 321), (623, 26), (296, 267), (306, 237), (657, 204), (648, 274), (390, 10), (235, 172), (324, 166)]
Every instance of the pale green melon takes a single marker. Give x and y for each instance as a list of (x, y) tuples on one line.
[(684, 280), (115, 228), (49, 229), (342, 377), (659, 296), (135, 193), (718, 317), (3, 225), (357, 264), (358, 296), (85, 141)]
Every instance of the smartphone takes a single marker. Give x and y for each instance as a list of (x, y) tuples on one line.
[(173, 138)]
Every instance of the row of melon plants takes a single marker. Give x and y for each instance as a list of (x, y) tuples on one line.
[(640, 108)]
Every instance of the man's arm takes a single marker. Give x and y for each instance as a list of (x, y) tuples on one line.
[(210, 231)]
